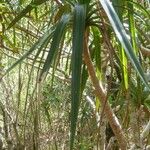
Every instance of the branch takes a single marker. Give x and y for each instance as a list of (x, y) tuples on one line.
[(100, 93)]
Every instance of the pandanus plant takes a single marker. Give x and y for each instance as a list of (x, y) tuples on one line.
[(93, 28)]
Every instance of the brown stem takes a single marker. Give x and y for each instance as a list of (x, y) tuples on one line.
[(100, 93)]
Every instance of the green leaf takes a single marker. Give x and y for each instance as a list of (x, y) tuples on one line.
[(60, 28), (140, 8), (124, 68), (122, 37), (97, 50), (78, 40), (37, 45), (25, 11), (132, 27), (22, 14), (84, 78), (119, 7), (84, 1)]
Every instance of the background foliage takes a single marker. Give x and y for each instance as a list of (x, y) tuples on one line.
[(48, 97)]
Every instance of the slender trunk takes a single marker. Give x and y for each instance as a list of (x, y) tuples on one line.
[(100, 93)]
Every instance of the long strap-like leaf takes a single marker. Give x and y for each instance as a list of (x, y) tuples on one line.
[(60, 28), (37, 45), (122, 37), (78, 38)]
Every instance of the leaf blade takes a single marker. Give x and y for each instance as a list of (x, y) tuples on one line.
[(55, 43), (25, 11), (122, 37), (78, 38), (39, 43)]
